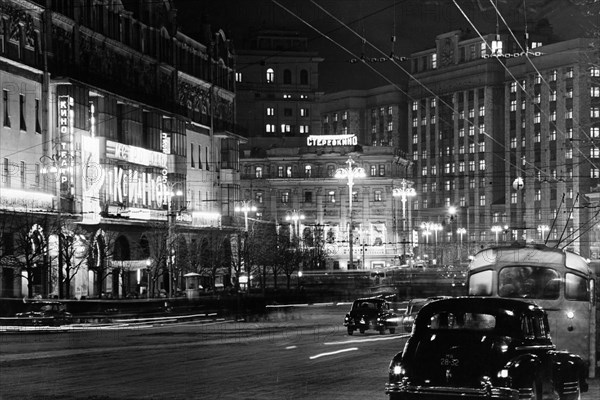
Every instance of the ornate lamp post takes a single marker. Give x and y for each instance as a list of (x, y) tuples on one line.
[(497, 229), (244, 206), (295, 216), (542, 229), (404, 192), (170, 221), (350, 173), (460, 232)]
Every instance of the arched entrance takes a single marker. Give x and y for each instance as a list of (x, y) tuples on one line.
[(121, 275)]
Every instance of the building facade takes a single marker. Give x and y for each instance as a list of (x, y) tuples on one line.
[(107, 111), (506, 132)]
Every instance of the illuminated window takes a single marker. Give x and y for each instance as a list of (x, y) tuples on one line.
[(553, 75), (270, 128), (552, 116), (434, 170), (415, 138), (553, 95), (373, 170), (482, 200), (238, 76), (304, 112), (270, 75), (595, 132), (537, 118), (496, 47), (481, 111), (258, 197), (285, 197), (258, 171), (288, 171), (569, 114), (595, 173), (594, 112), (472, 165), (331, 196), (377, 195), (287, 96), (481, 147), (307, 171), (461, 166), (513, 87), (513, 198), (595, 71), (280, 172), (286, 128), (513, 142), (303, 128), (513, 105), (595, 152), (595, 91), (415, 105), (535, 45), (569, 73), (270, 111), (482, 165), (434, 61), (482, 49)]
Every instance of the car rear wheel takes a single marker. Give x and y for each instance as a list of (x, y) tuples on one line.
[(350, 331), (392, 330), (362, 330), (382, 331)]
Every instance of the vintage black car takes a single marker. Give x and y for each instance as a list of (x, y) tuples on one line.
[(45, 313), (483, 348), (371, 313)]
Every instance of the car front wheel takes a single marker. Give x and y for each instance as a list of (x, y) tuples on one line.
[(350, 331), (532, 392)]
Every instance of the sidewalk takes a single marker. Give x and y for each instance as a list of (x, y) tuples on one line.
[(594, 391)]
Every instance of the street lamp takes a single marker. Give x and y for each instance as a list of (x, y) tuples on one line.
[(295, 217), (460, 232), (404, 192), (170, 221), (497, 229), (245, 206), (350, 173), (435, 227), (541, 229)]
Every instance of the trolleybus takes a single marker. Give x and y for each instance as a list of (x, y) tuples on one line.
[(559, 281)]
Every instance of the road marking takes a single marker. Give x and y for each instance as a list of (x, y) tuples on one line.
[(333, 353), (368, 340)]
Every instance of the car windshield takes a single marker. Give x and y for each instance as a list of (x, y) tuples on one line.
[(459, 320)]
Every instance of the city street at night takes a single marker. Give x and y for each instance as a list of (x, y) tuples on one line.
[(309, 356)]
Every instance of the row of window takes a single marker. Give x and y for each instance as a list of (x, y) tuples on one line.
[(291, 172), (7, 112), (287, 76), (308, 196), (287, 129), (287, 112)]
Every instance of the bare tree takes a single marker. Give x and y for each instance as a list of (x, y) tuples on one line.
[(28, 255), (75, 246), (101, 249)]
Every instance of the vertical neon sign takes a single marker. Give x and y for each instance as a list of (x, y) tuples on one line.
[(65, 130)]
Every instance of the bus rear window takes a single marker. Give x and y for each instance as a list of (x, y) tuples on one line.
[(576, 288), (480, 283), (528, 282)]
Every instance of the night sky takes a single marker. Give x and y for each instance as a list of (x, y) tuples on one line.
[(414, 23)]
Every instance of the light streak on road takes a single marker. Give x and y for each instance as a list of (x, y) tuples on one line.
[(290, 347), (367, 340), (331, 353)]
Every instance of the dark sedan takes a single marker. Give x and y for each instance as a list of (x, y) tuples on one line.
[(484, 348), (371, 313), (45, 313)]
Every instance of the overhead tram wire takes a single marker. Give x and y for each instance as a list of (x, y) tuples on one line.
[(526, 52), (516, 166)]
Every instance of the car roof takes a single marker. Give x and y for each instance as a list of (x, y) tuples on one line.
[(481, 304)]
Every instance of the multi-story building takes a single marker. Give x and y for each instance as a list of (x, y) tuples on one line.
[(507, 133), (297, 186), (277, 86), (106, 111)]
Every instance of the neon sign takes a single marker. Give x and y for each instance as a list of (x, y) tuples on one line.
[(332, 140), (65, 131), (136, 188), (135, 155)]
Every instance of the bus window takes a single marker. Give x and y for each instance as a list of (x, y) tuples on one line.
[(480, 283), (528, 282), (576, 288)]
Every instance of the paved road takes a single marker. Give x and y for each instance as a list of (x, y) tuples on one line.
[(303, 358)]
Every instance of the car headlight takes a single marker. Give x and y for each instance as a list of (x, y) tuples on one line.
[(398, 370), (503, 373)]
